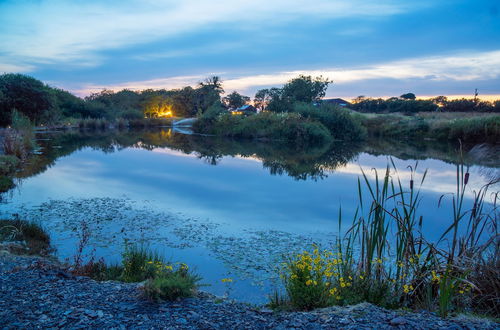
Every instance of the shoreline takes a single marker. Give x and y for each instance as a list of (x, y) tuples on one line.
[(38, 292)]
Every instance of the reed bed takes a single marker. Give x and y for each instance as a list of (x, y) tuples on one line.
[(384, 257)]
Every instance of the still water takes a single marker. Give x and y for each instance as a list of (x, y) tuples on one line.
[(226, 208)]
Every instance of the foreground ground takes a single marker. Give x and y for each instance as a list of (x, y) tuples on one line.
[(37, 293)]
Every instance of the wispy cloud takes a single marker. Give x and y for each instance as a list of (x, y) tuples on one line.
[(57, 31), (463, 67)]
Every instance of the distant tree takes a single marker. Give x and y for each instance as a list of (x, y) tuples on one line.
[(460, 105), (158, 106), (303, 89), (235, 100), (29, 96), (359, 99), (408, 96), (306, 89), (261, 98), (214, 83), (440, 100)]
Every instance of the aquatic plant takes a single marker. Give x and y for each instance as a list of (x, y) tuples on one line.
[(384, 258)]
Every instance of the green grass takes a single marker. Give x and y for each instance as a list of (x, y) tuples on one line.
[(32, 233), (440, 126), (164, 280)]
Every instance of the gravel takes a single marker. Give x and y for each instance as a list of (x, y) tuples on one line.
[(38, 293)]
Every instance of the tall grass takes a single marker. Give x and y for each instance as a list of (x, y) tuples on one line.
[(19, 139), (384, 257)]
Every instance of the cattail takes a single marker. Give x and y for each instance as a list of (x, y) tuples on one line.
[(466, 179), (411, 184)]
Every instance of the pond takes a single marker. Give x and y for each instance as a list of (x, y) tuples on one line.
[(227, 208)]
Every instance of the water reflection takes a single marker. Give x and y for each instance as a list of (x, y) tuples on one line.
[(302, 163), (230, 208)]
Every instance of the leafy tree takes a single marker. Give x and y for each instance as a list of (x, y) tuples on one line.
[(306, 89), (214, 83), (235, 100), (359, 99), (408, 96), (262, 98), (29, 96), (158, 106)]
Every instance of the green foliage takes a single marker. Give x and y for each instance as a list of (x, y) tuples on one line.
[(137, 264), (472, 129), (408, 96), (171, 283), (341, 123), (29, 96), (285, 127), (32, 233), (235, 100), (384, 258), (301, 89), (8, 164)]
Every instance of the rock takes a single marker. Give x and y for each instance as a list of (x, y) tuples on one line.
[(398, 321)]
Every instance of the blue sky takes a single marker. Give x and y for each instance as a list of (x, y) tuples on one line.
[(373, 48)]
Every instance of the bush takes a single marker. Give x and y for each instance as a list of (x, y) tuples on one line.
[(291, 127), (8, 164), (36, 238), (341, 124), (171, 283)]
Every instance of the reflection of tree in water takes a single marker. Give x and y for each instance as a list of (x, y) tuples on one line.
[(299, 162)]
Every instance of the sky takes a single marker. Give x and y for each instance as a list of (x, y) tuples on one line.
[(376, 48)]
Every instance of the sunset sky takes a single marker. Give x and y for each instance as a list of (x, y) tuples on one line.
[(372, 48)]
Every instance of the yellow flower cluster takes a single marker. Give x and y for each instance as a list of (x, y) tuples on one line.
[(435, 278), (407, 288), (227, 280)]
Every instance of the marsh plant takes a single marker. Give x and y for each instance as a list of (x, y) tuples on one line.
[(384, 258), (19, 139), (163, 280)]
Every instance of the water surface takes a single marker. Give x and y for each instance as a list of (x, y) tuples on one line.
[(227, 208)]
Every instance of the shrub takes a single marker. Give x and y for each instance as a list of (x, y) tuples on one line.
[(36, 238), (341, 124), (291, 127), (8, 164), (171, 283)]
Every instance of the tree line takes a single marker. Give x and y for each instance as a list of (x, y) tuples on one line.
[(408, 103), (42, 103)]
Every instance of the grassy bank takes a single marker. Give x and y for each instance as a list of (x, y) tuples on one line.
[(385, 259), (306, 124), (468, 127)]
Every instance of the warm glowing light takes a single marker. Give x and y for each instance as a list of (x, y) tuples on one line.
[(237, 112)]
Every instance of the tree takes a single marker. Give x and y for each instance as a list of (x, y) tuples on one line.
[(440, 100), (408, 96), (359, 99), (29, 96), (214, 83), (262, 98), (158, 106), (306, 89), (235, 100)]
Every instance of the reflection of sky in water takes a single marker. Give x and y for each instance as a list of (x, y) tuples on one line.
[(238, 194)]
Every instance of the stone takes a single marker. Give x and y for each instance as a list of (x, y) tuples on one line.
[(398, 321)]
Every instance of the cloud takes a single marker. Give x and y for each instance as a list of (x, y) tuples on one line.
[(57, 31), (460, 67)]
